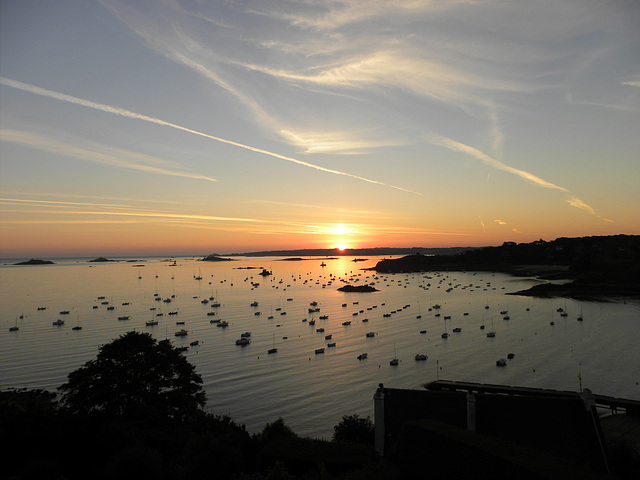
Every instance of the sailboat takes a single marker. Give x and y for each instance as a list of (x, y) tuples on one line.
[(492, 333), (419, 312), (77, 327), (445, 334), (273, 349), (152, 322), (395, 360), (15, 328)]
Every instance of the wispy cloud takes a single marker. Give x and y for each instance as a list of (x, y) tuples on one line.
[(148, 214), (330, 209), (108, 156), (632, 83), (19, 195), (405, 68), (126, 113), (576, 202), (624, 107), (333, 15), (493, 163), (309, 49), (335, 142)]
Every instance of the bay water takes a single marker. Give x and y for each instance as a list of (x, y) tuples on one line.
[(312, 391)]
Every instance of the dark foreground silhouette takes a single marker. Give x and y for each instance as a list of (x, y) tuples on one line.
[(136, 412)]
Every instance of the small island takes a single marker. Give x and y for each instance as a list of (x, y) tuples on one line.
[(359, 288), (100, 259), (215, 258), (34, 261)]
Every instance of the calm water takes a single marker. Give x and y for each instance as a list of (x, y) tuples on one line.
[(313, 391)]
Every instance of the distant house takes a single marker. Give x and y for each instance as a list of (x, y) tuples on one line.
[(460, 430)]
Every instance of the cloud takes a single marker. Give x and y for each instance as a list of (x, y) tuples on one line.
[(399, 67), (333, 15), (126, 113), (330, 209), (307, 48), (334, 142), (576, 202), (623, 107), (632, 83), (111, 210), (109, 156), (95, 197), (493, 163)]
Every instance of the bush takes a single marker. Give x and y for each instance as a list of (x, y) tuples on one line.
[(353, 429)]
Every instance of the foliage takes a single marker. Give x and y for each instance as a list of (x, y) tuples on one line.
[(279, 471), (46, 442), (353, 429), (135, 376), (31, 431), (275, 430)]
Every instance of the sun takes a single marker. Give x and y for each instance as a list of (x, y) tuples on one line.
[(342, 248)]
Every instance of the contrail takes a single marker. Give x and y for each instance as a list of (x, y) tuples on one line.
[(492, 162), (116, 158), (530, 177), (126, 113)]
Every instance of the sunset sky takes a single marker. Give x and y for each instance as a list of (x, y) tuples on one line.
[(192, 127)]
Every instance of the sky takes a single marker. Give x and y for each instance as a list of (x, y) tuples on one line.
[(195, 127)]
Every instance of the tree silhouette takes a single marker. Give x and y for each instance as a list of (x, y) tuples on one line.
[(135, 376), (353, 429)]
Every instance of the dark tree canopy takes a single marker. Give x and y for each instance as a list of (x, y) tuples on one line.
[(353, 429), (135, 376)]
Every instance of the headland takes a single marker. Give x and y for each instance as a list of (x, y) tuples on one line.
[(593, 267)]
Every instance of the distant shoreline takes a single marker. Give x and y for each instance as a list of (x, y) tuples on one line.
[(596, 267)]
